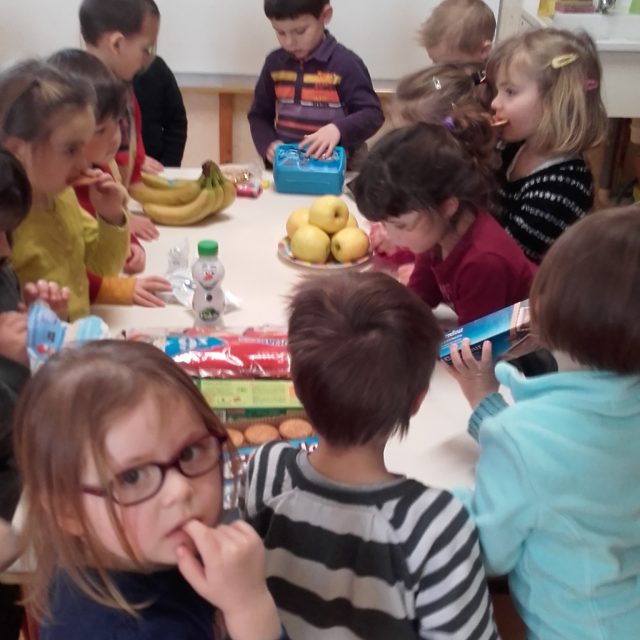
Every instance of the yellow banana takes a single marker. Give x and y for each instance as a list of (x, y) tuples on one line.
[(173, 196), (155, 181), (229, 193), (185, 214)]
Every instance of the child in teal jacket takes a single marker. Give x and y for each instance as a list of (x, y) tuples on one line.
[(557, 495)]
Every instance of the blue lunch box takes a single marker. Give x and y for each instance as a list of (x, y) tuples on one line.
[(295, 173)]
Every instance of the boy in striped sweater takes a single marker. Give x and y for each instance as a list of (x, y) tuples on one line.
[(353, 550), (312, 90)]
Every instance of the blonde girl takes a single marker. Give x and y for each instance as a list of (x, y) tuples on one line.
[(547, 84), (121, 459), (46, 121)]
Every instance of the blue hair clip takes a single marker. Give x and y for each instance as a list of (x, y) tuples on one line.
[(449, 123)]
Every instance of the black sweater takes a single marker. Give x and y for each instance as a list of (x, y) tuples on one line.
[(164, 119)]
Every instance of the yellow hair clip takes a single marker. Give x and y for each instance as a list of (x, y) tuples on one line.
[(563, 60)]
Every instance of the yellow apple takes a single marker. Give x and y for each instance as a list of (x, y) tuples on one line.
[(330, 213), (311, 244), (297, 219), (349, 244), (352, 222)]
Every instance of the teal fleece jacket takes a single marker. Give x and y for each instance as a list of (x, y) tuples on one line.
[(557, 500)]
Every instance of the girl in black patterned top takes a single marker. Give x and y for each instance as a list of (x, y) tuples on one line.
[(547, 84)]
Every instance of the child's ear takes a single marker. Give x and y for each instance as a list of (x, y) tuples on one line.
[(17, 146), (327, 14), (485, 50), (418, 401), (114, 41), (449, 207)]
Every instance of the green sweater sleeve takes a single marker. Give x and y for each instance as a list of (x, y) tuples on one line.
[(106, 245)]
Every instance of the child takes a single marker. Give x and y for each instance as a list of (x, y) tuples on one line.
[(122, 481), (431, 187), (164, 118), (100, 152), (558, 482), (123, 34), (354, 550), (548, 92), (47, 120), (312, 90), (459, 31), (15, 201)]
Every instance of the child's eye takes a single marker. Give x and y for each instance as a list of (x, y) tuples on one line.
[(191, 453), (300, 32), (132, 477)]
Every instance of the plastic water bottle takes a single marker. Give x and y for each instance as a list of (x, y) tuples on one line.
[(208, 272)]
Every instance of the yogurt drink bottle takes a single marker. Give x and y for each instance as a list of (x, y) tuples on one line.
[(208, 297)]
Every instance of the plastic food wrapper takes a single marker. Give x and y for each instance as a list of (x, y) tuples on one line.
[(182, 285), (204, 352), (47, 334), (246, 179)]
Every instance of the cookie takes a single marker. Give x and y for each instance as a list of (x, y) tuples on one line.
[(295, 428), (236, 437), (261, 433)]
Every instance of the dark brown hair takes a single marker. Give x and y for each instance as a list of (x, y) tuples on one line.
[(585, 298), (15, 192), (64, 413), (111, 93), (98, 17), (289, 9), (363, 348), (418, 167)]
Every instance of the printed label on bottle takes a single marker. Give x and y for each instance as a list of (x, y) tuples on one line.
[(208, 314)]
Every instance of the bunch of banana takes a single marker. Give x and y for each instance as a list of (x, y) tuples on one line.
[(184, 202)]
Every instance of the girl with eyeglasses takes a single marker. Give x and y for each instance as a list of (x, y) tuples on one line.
[(121, 459)]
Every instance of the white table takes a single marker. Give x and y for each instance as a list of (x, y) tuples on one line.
[(436, 451)]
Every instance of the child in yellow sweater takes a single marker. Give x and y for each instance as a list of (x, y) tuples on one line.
[(47, 120)]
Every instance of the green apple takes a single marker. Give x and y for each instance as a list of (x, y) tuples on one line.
[(311, 244), (349, 244), (330, 213), (297, 219), (352, 222)]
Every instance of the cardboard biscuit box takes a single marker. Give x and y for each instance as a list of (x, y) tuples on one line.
[(506, 329)]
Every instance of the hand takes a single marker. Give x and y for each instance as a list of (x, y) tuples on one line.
[(52, 293), (9, 545), (143, 228), (321, 143), (271, 151), (135, 260), (151, 165), (144, 291), (13, 336), (108, 199), (380, 240), (475, 377), (230, 574)]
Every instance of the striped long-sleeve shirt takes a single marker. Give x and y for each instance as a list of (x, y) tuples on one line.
[(391, 561), (293, 98), (539, 207)]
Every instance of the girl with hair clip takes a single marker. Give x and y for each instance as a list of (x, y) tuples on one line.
[(558, 482), (547, 84), (46, 121), (430, 95), (431, 187), (122, 464)]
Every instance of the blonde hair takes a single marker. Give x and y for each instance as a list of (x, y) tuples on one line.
[(65, 413), (431, 94), (33, 94), (465, 25), (567, 70)]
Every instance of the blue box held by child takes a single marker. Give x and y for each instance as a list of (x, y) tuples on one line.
[(503, 328), (293, 172)]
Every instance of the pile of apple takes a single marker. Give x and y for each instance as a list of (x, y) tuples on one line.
[(326, 229)]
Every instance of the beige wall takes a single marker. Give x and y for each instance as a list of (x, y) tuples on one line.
[(203, 139)]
